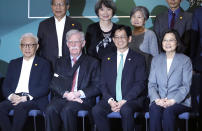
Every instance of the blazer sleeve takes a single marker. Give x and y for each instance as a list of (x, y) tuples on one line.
[(184, 89), (153, 44), (7, 87), (152, 85)]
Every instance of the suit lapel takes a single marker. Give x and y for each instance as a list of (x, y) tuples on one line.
[(52, 29), (112, 68), (126, 68), (163, 70), (81, 71), (18, 70), (179, 20), (34, 70)]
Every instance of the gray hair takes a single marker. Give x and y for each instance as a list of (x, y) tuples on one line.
[(67, 2), (72, 32), (142, 9), (30, 35), (108, 3)]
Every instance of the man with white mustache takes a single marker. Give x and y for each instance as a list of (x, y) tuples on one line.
[(75, 85)]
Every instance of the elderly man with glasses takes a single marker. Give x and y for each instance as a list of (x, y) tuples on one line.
[(25, 86)]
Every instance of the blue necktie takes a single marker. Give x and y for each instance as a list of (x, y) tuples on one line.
[(118, 80)]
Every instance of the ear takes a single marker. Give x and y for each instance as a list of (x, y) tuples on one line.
[(129, 39), (68, 6), (83, 43)]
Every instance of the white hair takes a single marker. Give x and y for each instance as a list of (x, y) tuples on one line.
[(72, 32), (29, 35)]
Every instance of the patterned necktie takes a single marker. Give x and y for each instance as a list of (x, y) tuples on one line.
[(74, 77), (118, 80), (172, 23)]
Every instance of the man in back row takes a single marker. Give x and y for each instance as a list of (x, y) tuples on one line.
[(52, 31), (174, 18)]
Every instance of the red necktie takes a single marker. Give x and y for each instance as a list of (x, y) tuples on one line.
[(74, 78), (172, 21)]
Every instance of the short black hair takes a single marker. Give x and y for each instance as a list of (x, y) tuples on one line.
[(108, 3), (180, 47), (67, 2), (127, 29)]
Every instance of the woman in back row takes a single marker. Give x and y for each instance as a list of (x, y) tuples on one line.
[(99, 35), (144, 41)]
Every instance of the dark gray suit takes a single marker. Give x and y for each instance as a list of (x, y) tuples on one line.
[(182, 25)]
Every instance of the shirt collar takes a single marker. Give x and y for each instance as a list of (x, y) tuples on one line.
[(30, 60), (124, 53), (71, 57), (176, 11), (61, 21)]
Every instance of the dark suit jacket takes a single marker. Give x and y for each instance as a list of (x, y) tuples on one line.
[(48, 42), (133, 77), (93, 37), (38, 82), (182, 25), (88, 79), (196, 40)]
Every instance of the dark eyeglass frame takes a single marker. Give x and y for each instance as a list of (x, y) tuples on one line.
[(30, 46)]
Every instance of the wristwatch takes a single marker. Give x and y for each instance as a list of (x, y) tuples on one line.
[(28, 99)]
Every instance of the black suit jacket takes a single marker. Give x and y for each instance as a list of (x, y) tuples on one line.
[(88, 79), (182, 25), (48, 41), (133, 77), (38, 82), (94, 36)]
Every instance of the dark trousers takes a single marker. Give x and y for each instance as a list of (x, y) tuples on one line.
[(63, 111), (164, 119), (20, 115), (127, 111)]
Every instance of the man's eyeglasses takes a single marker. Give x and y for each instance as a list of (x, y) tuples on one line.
[(74, 42), (59, 4), (30, 46), (120, 37)]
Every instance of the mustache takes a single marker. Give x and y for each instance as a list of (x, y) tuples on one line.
[(73, 48)]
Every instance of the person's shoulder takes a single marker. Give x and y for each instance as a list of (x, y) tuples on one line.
[(91, 59), (48, 20), (150, 32), (93, 25), (182, 57), (72, 21), (42, 60), (162, 14)]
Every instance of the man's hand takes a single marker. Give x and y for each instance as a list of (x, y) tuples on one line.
[(19, 100), (71, 96), (114, 105), (121, 103), (79, 100)]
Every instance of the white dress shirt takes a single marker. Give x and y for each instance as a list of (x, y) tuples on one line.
[(60, 29), (23, 83), (169, 62)]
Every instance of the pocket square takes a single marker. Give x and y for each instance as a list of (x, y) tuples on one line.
[(56, 75)]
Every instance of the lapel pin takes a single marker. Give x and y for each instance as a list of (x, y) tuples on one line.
[(108, 58), (129, 59), (72, 24), (35, 64), (180, 17)]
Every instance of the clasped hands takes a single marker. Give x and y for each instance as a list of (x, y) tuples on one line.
[(16, 99), (73, 96), (116, 106), (165, 102)]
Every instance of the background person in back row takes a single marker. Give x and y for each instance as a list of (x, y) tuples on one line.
[(99, 35), (144, 41), (51, 32), (174, 18)]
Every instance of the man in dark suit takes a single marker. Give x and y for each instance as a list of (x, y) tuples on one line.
[(123, 89), (196, 52), (51, 32), (74, 84), (25, 86), (177, 19)]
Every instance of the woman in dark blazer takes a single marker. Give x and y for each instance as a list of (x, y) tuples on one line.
[(99, 35), (169, 84)]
